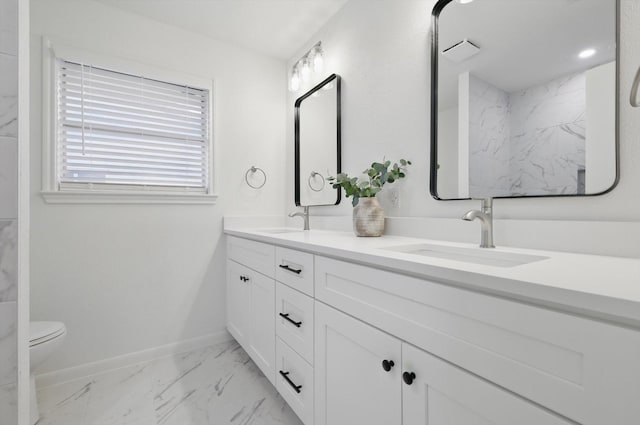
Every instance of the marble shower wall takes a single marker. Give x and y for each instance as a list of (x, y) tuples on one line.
[(489, 147), (548, 125), (8, 209), (527, 142)]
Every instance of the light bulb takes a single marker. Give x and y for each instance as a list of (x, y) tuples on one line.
[(306, 70), (318, 61), (295, 80), (587, 53)]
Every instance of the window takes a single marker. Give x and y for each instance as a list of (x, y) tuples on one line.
[(126, 136)]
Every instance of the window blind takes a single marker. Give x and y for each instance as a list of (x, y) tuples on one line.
[(127, 131)]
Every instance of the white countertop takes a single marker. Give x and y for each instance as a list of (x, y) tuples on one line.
[(606, 288)]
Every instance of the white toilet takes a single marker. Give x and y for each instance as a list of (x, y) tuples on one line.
[(45, 338)]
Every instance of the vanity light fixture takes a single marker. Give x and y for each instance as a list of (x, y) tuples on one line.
[(318, 58), (295, 79), (312, 61), (586, 53), (306, 70)]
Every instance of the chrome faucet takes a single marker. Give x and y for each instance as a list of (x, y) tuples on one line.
[(485, 215), (304, 215)]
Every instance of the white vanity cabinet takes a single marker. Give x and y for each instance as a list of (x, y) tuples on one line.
[(352, 387), (365, 376), (436, 392), (580, 368), (251, 301), (348, 343)]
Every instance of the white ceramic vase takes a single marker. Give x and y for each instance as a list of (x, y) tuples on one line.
[(368, 217)]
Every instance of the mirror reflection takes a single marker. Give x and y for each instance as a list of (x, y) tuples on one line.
[(524, 98), (317, 143)]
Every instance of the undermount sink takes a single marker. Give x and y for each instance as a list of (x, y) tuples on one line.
[(485, 256), (279, 230)]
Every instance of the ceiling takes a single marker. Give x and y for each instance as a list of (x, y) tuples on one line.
[(277, 28), (526, 43)]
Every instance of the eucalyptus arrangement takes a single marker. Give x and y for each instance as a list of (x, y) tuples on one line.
[(377, 176), (368, 215)]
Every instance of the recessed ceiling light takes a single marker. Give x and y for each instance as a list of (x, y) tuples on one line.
[(464, 1), (587, 53)]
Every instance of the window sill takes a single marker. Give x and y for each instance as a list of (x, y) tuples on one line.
[(107, 197)]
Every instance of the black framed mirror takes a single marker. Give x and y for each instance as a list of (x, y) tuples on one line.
[(317, 144), (524, 98)]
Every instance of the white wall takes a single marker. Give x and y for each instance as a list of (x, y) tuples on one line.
[(381, 50), (600, 86), (130, 277)]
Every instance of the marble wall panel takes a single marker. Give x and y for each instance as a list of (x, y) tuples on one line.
[(8, 210), (8, 344), (8, 260), (8, 178), (530, 142), (488, 139), (9, 404), (9, 27), (8, 95), (547, 143)]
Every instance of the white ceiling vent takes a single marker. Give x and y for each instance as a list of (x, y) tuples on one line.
[(460, 51)]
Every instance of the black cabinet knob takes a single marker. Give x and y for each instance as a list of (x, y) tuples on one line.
[(408, 377), (387, 365)]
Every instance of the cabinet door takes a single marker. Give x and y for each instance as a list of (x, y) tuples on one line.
[(238, 295), (437, 393), (262, 332), (351, 385)]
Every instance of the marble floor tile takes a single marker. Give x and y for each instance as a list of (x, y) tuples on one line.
[(210, 386)]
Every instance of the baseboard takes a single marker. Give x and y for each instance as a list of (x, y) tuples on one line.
[(70, 374)]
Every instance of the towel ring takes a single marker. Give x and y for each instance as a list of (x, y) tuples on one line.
[(253, 170), (313, 176)]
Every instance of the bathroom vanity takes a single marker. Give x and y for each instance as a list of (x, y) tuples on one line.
[(393, 330)]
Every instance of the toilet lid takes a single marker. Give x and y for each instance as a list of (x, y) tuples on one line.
[(44, 331)]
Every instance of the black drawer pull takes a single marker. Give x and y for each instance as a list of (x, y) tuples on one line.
[(286, 267), (290, 320), (286, 377), (244, 278), (408, 377), (387, 365)]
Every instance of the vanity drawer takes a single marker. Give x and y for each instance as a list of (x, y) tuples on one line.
[(295, 268), (294, 381), (255, 255), (583, 369), (294, 320)]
